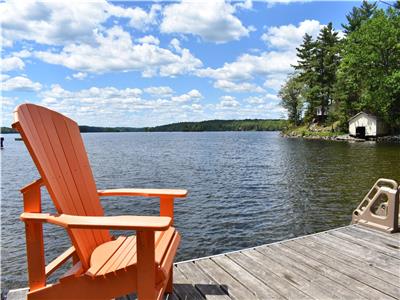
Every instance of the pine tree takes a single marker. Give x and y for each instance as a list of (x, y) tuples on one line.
[(306, 74), (305, 55), (326, 61), (359, 15)]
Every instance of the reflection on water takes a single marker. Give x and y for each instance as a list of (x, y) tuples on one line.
[(246, 188)]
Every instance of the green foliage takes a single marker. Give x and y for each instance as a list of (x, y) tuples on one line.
[(358, 73), (369, 75), (85, 128), (291, 98), (359, 15), (223, 125), (212, 125)]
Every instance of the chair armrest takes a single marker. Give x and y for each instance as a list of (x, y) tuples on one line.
[(139, 223), (178, 193)]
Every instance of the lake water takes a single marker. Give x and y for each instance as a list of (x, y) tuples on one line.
[(246, 188)]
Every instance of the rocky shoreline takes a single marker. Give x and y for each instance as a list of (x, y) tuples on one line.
[(343, 137)]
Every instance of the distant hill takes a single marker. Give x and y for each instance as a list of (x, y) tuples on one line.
[(8, 130), (223, 125), (211, 125), (85, 128)]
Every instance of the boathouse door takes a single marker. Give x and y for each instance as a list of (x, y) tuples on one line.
[(360, 132)]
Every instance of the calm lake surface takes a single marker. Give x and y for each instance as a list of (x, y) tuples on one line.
[(246, 188)]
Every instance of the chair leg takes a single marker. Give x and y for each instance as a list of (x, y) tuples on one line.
[(146, 277), (169, 288)]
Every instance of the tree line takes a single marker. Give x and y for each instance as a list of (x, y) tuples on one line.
[(336, 77), (211, 125), (224, 125)]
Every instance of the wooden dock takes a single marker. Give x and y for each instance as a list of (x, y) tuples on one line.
[(352, 262)]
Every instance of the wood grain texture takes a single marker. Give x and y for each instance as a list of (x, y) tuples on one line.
[(330, 265)]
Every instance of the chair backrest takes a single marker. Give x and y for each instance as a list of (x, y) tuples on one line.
[(57, 148)]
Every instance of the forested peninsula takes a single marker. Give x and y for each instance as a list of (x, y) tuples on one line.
[(340, 73), (211, 125)]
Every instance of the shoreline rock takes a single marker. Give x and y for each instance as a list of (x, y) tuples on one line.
[(344, 138)]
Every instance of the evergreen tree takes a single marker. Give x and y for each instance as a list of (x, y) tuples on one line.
[(306, 73), (305, 55), (327, 60), (358, 15)]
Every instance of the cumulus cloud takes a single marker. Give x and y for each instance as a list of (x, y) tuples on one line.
[(193, 95), (290, 36), (149, 39), (267, 98), (120, 105), (161, 91), (176, 45), (212, 20), (115, 51), (60, 23), (12, 63), (19, 83), (247, 66), (275, 81), (242, 87), (227, 102), (79, 75), (247, 4), (272, 66), (138, 17)]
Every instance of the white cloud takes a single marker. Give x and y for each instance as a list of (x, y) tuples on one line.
[(62, 23), (267, 98), (192, 95), (79, 75), (149, 39), (247, 4), (22, 54), (275, 81), (20, 83), (233, 87), (227, 102), (176, 45), (212, 20), (121, 107), (248, 66), (139, 18), (272, 66), (290, 36), (115, 51), (3, 77), (11, 63), (161, 91)]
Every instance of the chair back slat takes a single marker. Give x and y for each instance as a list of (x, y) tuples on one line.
[(57, 149)]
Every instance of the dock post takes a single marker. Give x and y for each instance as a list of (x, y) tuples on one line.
[(1, 142)]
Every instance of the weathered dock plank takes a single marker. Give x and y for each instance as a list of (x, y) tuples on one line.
[(349, 270), (370, 241), (326, 287), (351, 262)]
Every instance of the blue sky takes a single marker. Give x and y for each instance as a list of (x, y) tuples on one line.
[(152, 63)]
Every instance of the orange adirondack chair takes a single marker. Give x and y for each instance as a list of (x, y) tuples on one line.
[(104, 267)]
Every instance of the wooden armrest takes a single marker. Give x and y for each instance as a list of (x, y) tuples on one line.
[(178, 193), (139, 223)]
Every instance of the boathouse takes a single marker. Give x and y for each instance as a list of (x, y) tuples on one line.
[(364, 125)]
